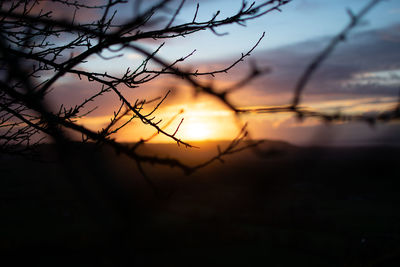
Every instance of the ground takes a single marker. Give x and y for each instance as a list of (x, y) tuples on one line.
[(279, 206)]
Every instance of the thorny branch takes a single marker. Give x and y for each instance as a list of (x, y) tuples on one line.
[(38, 48), (314, 65), (303, 112)]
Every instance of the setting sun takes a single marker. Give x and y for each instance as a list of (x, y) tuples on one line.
[(196, 131)]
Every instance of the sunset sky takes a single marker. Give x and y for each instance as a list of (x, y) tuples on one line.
[(362, 75)]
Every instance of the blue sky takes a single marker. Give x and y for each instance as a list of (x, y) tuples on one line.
[(299, 20)]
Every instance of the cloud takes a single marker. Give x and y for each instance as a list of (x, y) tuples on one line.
[(362, 75), (368, 53), (64, 10), (366, 65)]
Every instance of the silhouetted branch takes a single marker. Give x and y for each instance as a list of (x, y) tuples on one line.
[(303, 112), (32, 48), (233, 147), (318, 60)]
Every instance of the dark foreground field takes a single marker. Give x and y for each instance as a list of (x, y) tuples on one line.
[(290, 207)]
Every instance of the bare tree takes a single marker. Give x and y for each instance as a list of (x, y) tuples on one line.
[(38, 47), (315, 63)]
